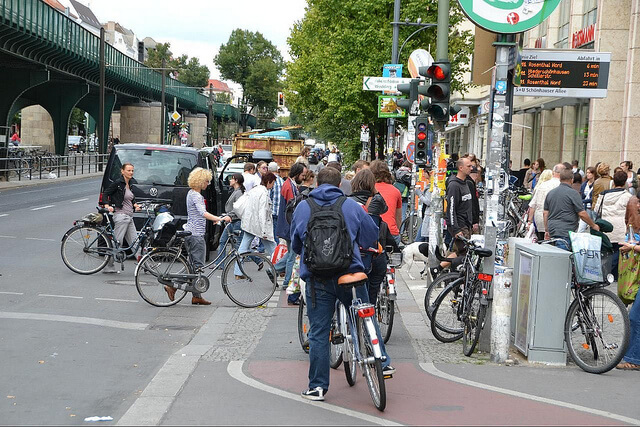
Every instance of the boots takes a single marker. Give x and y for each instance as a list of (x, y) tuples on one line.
[(200, 301)]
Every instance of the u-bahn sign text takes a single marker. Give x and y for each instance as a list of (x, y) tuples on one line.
[(579, 74)]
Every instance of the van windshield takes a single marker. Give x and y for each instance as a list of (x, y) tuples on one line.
[(155, 166)]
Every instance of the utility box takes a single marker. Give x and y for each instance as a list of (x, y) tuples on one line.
[(541, 296)]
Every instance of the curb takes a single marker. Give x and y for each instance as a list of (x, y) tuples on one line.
[(9, 185)]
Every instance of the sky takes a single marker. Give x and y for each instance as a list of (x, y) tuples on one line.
[(197, 28)]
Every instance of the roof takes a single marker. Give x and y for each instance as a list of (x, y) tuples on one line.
[(59, 6), (218, 86), (86, 15)]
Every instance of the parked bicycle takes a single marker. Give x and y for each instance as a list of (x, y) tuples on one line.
[(88, 246), (408, 233), (169, 266), (516, 200), (596, 326), (385, 305), (460, 309), (361, 346)]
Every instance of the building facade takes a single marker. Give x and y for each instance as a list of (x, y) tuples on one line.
[(566, 129)]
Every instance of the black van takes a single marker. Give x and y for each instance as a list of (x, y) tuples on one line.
[(161, 173)]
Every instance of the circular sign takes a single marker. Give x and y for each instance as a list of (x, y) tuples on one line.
[(508, 16), (411, 151)]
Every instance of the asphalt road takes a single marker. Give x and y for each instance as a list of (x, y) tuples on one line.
[(74, 346)]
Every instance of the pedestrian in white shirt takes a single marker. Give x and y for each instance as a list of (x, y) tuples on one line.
[(250, 178)]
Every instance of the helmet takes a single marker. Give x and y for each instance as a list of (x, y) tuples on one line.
[(161, 219), (94, 218)]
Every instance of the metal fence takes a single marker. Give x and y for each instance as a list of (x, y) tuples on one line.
[(26, 168)]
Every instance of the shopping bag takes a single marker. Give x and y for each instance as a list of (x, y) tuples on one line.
[(278, 253), (239, 205), (628, 276), (587, 257), (294, 283)]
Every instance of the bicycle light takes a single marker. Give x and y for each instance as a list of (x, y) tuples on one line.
[(610, 278), (485, 277), (369, 311)]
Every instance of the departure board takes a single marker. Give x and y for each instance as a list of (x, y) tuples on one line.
[(573, 73)]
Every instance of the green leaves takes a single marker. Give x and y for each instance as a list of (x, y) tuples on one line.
[(187, 71)]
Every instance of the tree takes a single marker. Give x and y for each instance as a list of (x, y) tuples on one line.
[(188, 71), (256, 65), (193, 74), (337, 43), (223, 98)]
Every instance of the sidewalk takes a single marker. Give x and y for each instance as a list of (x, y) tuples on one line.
[(7, 185), (245, 366)]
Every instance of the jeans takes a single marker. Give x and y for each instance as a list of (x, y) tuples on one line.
[(197, 249), (563, 244), (615, 260), (376, 276), (245, 246), (396, 237), (633, 352), (404, 210), (419, 236), (320, 314), (123, 228)]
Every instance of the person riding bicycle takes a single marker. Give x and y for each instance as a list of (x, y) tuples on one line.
[(322, 293), (121, 201), (197, 217)]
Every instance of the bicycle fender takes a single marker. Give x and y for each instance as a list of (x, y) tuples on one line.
[(371, 330)]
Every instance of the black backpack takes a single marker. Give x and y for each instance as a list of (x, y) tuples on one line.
[(293, 204), (328, 247)]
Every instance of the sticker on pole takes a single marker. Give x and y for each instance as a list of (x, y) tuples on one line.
[(508, 16), (501, 87)]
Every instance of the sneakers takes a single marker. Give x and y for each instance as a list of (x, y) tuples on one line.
[(388, 370), (316, 394)]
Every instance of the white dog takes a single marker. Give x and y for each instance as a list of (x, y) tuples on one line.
[(417, 251)]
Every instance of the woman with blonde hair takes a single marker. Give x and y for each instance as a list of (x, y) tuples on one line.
[(197, 217), (536, 206), (604, 182)]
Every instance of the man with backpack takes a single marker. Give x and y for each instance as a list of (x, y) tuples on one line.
[(325, 230)]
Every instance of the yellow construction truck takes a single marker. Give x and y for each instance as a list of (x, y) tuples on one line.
[(284, 149)]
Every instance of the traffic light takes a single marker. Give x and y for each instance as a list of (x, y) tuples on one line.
[(410, 89), (280, 99), (421, 140), (167, 128), (439, 90), (175, 128)]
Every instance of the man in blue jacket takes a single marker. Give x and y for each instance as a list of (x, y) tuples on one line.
[(321, 293)]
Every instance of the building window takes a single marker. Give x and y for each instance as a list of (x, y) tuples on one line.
[(541, 41), (563, 28), (590, 13)]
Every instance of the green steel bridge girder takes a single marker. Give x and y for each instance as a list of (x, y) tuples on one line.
[(12, 85)]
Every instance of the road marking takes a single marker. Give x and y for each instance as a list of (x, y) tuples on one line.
[(75, 319), (42, 207), (59, 296), (40, 240), (12, 293), (80, 200), (116, 299), (234, 369), (1, 215), (9, 237), (431, 369)]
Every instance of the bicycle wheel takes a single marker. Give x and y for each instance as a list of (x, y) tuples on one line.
[(303, 326), (445, 325), (372, 368), (409, 236), (435, 288), (597, 333), (349, 355), (255, 285), (473, 320), (335, 350), (149, 271), (85, 249), (385, 309)]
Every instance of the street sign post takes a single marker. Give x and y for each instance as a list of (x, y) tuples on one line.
[(380, 84)]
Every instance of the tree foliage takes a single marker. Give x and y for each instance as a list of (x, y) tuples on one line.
[(338, 42), (188, 71), (255, 64)]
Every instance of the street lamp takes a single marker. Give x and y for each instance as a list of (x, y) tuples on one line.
[(422, 27)]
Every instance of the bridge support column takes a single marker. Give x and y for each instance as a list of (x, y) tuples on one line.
[(90, 104), (198, 135), (13, 84), (140, 123)]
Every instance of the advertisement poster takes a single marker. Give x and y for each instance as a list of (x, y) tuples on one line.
[(522, 309), (388, 107)]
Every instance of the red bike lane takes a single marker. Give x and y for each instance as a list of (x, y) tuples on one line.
[(415, 397)]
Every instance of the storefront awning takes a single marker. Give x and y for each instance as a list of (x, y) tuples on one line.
[(544, 103)]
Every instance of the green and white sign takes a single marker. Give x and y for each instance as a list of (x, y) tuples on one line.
[(508, 16)]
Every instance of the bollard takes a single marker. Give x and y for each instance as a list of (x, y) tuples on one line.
[(501, 314)]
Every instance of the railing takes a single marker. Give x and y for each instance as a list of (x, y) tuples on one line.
[(47, 36), (27, 168)]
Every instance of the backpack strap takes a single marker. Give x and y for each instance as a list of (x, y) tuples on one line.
[(337, 206)]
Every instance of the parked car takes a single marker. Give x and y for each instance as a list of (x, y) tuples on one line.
[(75, 142), (161, 173)]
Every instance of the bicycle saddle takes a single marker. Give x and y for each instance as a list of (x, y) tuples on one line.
[(483, 252), (352, 279), (183, 233)]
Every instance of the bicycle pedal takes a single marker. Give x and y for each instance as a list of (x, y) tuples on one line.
[(337, 338), (388, 376)]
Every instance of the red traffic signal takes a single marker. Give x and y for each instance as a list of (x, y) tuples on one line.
[(439, 72)]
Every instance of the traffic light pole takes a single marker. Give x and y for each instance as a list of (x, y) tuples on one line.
[(391, 123), (163, 108)]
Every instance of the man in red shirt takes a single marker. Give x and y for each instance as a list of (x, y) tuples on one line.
[(391, 195)]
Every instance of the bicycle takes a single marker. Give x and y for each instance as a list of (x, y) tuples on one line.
[(596, 326), (170, 268), (409, 236), (470, 310), (385, 305), (361, 346), (88, 246)]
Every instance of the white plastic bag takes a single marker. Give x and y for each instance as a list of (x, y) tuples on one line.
[(587, 256)]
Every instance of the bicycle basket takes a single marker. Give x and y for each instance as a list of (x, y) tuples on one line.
[(92, 218), (591, 267)]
